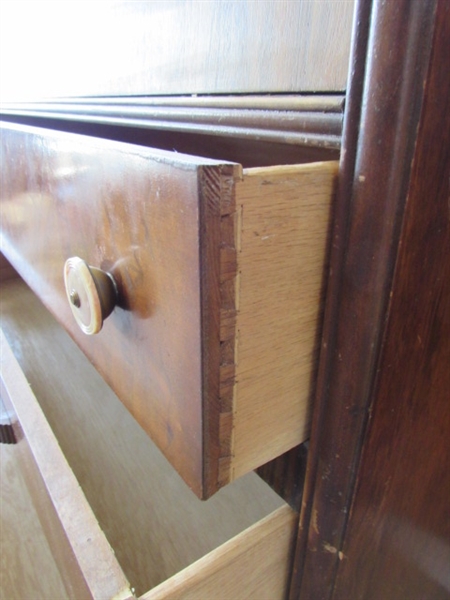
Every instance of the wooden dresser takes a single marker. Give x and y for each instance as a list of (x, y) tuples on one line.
[(226, 243)]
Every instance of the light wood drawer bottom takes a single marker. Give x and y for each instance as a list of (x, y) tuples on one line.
[(101, 483)]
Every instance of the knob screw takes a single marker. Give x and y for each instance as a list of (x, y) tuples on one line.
[(75, 298)]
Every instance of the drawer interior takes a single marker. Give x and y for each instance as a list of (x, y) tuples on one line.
[(22, 564), (155, 525)]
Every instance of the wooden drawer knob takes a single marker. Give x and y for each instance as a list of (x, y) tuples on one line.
[(92, 294)]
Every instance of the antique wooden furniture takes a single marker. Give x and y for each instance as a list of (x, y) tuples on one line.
[(373, 514), (374, 520), (194, 349), (128, 489)]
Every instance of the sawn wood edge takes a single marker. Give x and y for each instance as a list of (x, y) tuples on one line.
[(58, 495)]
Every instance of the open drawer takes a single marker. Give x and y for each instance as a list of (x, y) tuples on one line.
[(91, 469), (213, 274)]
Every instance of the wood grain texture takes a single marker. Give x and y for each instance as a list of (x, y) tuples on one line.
[(181, 47), (218, 271), (255, 564), (249, 151), (374, 193), (156, 526), (199, 356), (331, 103), (152, 220), (297, 121), (401, 500), (286, 474), (84, 558), (327, 358), (24, 550), (284, 215)]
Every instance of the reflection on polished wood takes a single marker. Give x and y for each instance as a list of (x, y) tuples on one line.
[(313, 122), (217, 372), (375, 521), (177, 47)]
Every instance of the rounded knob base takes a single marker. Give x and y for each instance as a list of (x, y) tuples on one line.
[(91, 292)]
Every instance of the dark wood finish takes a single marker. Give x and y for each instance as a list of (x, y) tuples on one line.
[(7, 419), (337, 252), (152, 219), (181, 47), (373, 514), (174, 231), (218, 272), (401, 501), (248, 151), (196, 326), (6, 431), (286, 474), (296, 120), (385, 348), (7, 271)]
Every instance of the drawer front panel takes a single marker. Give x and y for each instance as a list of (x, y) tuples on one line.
[(139, 215), (217, 282)]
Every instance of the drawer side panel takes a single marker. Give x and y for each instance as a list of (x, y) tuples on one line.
[(83, 556), (254, 564), (285, 219)]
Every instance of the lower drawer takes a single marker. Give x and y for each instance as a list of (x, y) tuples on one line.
[(119, 520)]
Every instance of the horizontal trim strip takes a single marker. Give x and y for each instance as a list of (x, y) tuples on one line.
[(316, 121), (314, 103)]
